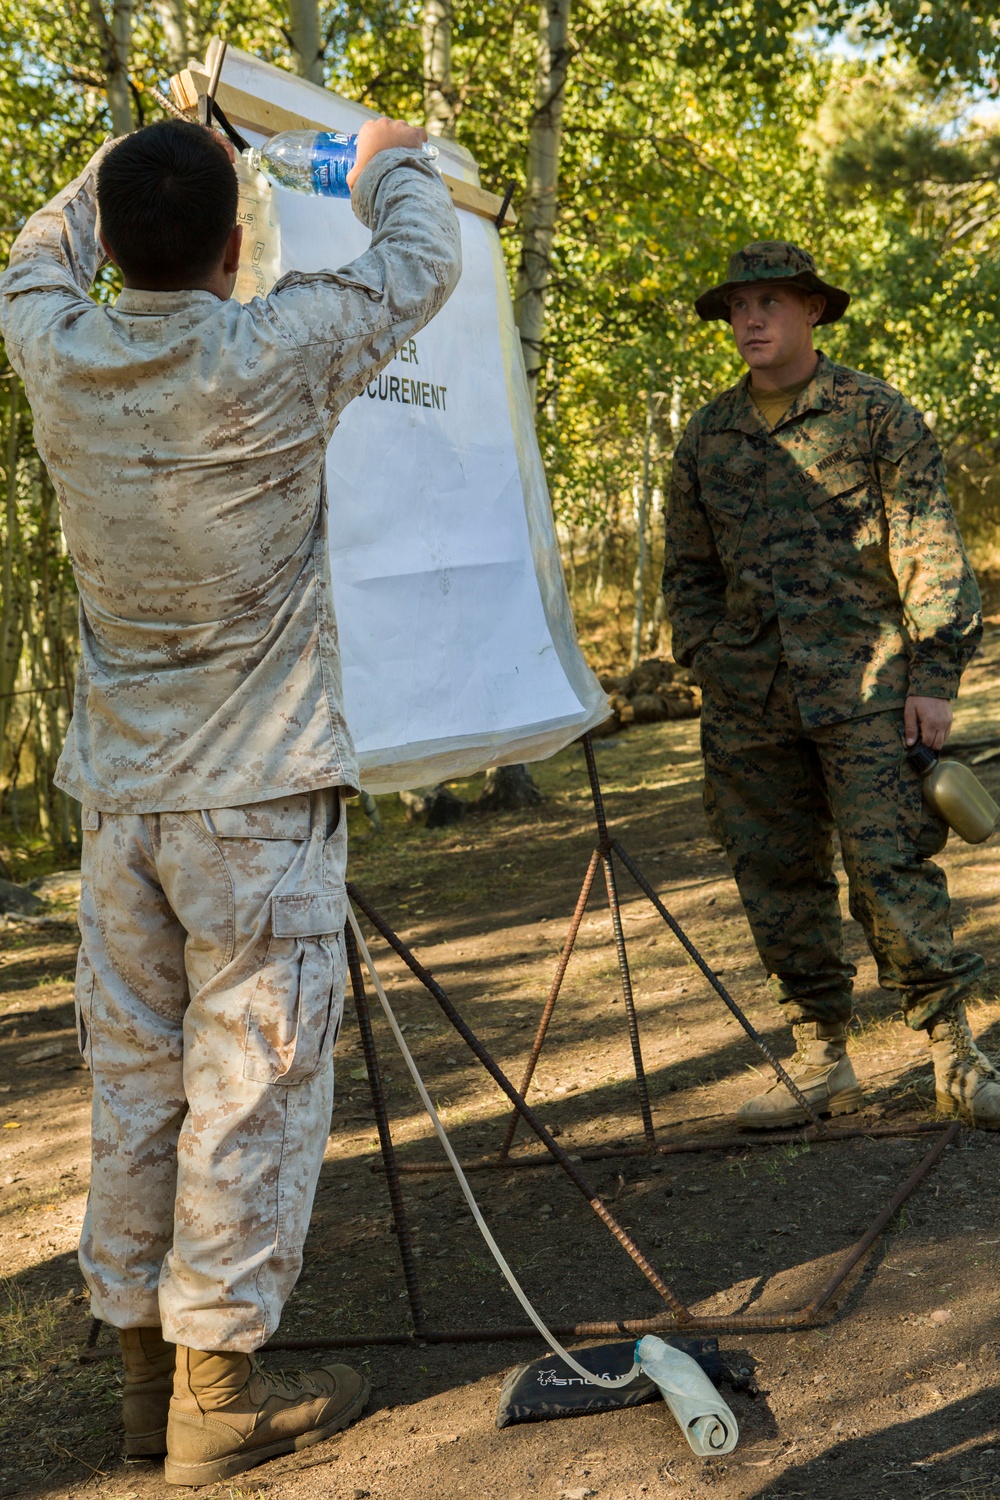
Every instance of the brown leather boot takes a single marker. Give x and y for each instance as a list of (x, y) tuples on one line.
[(227, 1415), (149, 1380), (822, 1070), (965, 1081)]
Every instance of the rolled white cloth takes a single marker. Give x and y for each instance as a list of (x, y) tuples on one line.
[(704, 1418)]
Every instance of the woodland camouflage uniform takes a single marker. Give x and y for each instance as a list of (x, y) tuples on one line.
[(814, 578)]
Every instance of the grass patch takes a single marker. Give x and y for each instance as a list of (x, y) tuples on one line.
[(29, 1336)]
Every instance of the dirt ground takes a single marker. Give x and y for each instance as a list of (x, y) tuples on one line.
[(897, 1395)]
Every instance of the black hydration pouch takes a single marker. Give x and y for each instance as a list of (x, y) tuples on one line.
[(549, 1388)]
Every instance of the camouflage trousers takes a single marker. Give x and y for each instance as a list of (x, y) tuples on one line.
[(209, 993), (775, 793)]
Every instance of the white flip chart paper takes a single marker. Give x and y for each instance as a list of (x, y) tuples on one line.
[(458, 645)]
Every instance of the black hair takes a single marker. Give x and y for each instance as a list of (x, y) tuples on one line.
[(167, 195)]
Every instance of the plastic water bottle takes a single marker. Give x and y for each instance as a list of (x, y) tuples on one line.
[(260, 252), (955, 794), (703, 1416), (312, 161)]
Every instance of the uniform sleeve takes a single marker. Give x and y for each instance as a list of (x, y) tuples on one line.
[(52, 264), (694, 584), (942, 614), (349, 323)]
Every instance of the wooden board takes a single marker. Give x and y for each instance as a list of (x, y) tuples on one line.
[(246, 109)]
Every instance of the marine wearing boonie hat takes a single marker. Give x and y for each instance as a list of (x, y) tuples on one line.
[(772, 260), (817, 588)]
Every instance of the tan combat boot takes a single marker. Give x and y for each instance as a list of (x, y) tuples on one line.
[(149, 1379), (965, 1082), (822, 1070), (227, 1415)]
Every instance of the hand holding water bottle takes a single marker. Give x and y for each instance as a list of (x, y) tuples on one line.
[(327, 162), (383, 134)]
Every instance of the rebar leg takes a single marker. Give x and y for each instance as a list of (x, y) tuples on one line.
[(604, 850), (633, 1024), (716, 983), (553, 996), (384, 1136), (500, 1078)]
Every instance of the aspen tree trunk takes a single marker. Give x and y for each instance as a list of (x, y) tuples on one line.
[(538, 213), (439, 95), (676, 428), (307, 44), (116, 41), (600, 561), (642, 528), (180, 32), (49, 654), (10, 592)]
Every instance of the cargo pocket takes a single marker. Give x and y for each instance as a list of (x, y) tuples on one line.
[(727, 501), (918, 827), (83, 1003), (841, 493), (295, 1011)]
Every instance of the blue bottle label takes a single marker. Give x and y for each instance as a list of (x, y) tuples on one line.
[(332, 159)]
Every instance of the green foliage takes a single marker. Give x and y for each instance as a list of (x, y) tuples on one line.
[(689, 129)]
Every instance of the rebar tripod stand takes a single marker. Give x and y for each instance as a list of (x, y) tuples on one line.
[(676, 1316)]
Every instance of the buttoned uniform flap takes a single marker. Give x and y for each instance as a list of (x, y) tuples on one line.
[(308, 914), (279, 818), (835, 475), (729, 484)]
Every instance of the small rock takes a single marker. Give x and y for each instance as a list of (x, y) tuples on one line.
[(361, 1494), (16, 898), (40, 1054), (61, 885), (649, 708), (435, 804), (940, 1315), (697, 1187)]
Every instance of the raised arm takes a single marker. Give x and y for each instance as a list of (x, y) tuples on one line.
[(349, 323), (53, 262)]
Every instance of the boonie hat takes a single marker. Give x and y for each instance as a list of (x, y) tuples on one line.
[(772, 260)]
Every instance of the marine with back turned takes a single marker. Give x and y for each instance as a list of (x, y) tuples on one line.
[(186, 436)]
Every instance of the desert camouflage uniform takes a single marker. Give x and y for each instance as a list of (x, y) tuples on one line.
[(815, 577), (186, 438)]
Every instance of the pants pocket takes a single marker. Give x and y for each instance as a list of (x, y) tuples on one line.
[(83, 1003), (918, 828), (296, 1005), (713, 812)]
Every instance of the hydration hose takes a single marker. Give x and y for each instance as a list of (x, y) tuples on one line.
[(483, 1227)]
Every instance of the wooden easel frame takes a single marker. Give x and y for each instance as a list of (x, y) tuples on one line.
[(191, 85)]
